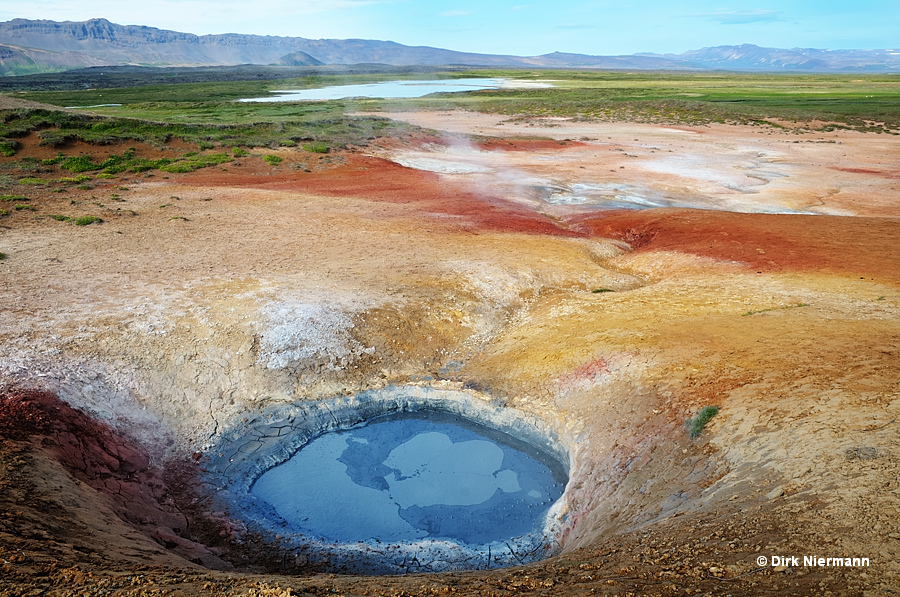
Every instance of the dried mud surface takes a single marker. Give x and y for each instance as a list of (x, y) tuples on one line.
[(129, 346)]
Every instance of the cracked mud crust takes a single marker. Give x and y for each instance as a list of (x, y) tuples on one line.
[(204, 299)]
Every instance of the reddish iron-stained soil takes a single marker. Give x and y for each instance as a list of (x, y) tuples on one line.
[(767, 242), (378, 179), (96, 455)]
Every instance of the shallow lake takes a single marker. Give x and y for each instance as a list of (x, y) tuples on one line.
[(386, 89), (408, 477)]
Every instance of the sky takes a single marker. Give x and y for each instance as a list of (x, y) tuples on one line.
[(518, 27)]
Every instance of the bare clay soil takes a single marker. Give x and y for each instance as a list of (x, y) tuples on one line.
[(130, 346)]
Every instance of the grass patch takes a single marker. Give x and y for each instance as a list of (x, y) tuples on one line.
[(53, 161), (87, 220), (60, 218), (8, 147), (196, 162), (696, 425), (74, 179), (316, 147), (24, 207), (32, 180), (239, 152), (272, 159), (14, 198), (798, 305), (2, 256), (599, 290), (3, 213)]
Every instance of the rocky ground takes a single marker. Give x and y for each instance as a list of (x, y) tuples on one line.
[(129, 346)]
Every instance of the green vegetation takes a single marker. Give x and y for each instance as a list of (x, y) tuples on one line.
[(13, 198), (24, 207), (32, 180), (205, 124), (860, 101), (60, 218), (8, 147), (599, 290), (316, 147), (2, 256), (239, 152), (195, 162), (696, 425), (3, 213), (74, 179), (272, 159), (87, 220), (775, 309)]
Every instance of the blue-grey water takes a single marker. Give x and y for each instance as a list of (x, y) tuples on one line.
[(386, 89), (413, 476)]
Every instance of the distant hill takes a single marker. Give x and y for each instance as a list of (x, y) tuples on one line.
[(30, 46), (750, 57)]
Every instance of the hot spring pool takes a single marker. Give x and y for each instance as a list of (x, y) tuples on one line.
[(393, 480), (413, 476)]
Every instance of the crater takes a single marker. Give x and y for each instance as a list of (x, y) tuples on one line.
[(396, 480)]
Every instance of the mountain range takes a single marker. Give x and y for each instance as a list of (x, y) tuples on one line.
[(34, 46)]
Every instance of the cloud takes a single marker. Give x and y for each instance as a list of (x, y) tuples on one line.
[(742, 17), (455, 13)]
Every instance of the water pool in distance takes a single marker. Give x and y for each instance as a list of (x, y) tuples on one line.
[(412, 476), (385, 89)]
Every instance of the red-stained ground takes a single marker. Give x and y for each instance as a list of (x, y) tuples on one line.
[(376, 179), (882, 173), (98, 456), (767, 242)]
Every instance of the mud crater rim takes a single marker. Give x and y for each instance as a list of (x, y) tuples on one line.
[(256, 445)]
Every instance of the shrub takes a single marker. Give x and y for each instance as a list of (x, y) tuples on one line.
[(13, 198), (696, 425), (79, 163), (32, 180), (2, 256), (24, 206), (239, 152), (60, 218), (87, 220), (74, 179), (8, 147), (272, 159), (317, 147)]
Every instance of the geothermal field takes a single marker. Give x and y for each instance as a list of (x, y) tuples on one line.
[(472, 354)]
